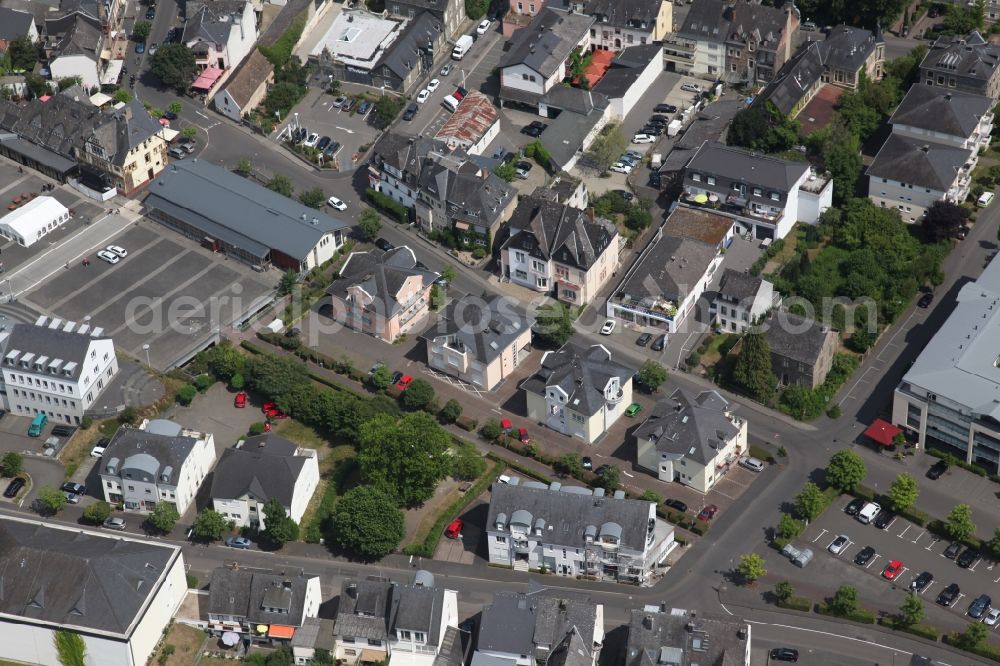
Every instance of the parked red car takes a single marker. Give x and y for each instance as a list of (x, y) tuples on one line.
[(454, 529), (708, 513), (892, 570), (272, 411), (506, 425), (240, 401), (404, 383), (522, 434)]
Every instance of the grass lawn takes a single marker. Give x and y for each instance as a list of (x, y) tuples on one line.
[(327, 465), (713, 354), (301, 434), (187, 642), (787, 252)]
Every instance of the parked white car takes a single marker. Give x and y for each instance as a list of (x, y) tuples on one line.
[(621, 167), (643, 138), (423, 95), (115, 249), (433, 85), (609, 327), (868, 512), (97, 452), (109, 257), (484, 25), (336, 203), (311, 141), (992, 616), (755, 464)]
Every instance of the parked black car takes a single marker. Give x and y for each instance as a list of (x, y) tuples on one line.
[(63, 431), (925, 300), (75, 488), (383, 244), (784, 654), (948, 595), (323, 143), (966, 559), (411, 111), (979, 606), (951, 552), (644, 339), (14, 488), (654, 179), (534, 129), (883, 519), (864, 556), (921, 581), (855, 506), (676, 505), (659, 343), (937, 470), (665, 108)]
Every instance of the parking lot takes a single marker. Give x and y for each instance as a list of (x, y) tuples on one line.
[(914, 546), (168, 293), (349, 128)]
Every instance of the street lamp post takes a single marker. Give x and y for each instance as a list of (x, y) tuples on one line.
[(145, 348)]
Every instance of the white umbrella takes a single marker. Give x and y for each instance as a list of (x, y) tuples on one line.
[(230, 638)]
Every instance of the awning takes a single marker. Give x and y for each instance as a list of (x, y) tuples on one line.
[(462, 226), (112, 72), (100, 99), (230, 638), (701, 198), (261, 628), (207, 78), (281, 631), (882, 432), (169, 134), (372, 656)]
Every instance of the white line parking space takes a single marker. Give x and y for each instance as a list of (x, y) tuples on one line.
[(928, 588), (455, 382), (922, 533), (959, 598), (934, 540), (874, 560), (820, 536), (902, 534)]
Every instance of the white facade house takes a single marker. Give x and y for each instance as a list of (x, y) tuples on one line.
[(537, 59), (29, 223), (573, 531), (259, 468), (157, 462), (742, 299), (54, 367), (118, 593), (220, 34)]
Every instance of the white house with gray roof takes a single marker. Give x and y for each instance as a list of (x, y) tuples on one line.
[(766, 195), (659, 635), (242, 219), (221, 33), (937, 136), (574, 531), (691, 439), (55, 367), (963, 62), (410, 625), (542, 626), (263, 607), (115, 592), (579, 392), (160, 461), (950, 396), (741, 300)]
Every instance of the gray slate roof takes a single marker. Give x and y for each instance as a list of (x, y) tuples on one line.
[(52, 343), (739, 286), (568, 514), (253, 595), (145, 456), (485, 327), (795, 337), (970, 56), (547, 41), (670, 270), (689, 426), (403, 55), (635, 14), (73, 34), (471, 194), (381, 274), (657, 636), (628, 65), (706, 20), (265, 466), (59, 125), (796, 76), (550, 230), (77, 578), (213, 22), (582, 373), (132, 127), (374, 608), (943, 110), (847, 48), (745, 166), (241, 212), (920, 163), (525, 623), (14, 23), (958, 364)]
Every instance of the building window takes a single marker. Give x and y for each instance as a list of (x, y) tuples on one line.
[(696, 177), (711, 180)]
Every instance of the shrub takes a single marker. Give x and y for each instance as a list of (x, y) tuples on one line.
[(86, 422), (128, 415), (186, 394), (202, 382), (491, 430), (834, 412), (256, 428), (451, 411), (796, 603), (192, 581), (693, 360), (466, 423), (388, 205)]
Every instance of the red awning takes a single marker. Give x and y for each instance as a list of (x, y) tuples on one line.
[(280, 631), (882, 432), (207, 78)]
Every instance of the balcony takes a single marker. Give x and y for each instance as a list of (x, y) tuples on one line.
[(652, 306)]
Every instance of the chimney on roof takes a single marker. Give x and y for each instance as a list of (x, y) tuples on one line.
[(590, 213), (647, 622)]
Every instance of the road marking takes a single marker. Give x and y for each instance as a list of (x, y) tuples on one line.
[(344, 129), (959, 598), (920, 535), (833, 635), (928, 587), (901, 572), (934, 540), (631, 476), (900, 535), (893, 523), (820, 536), (874, 559), (974, 565), (997, 580)]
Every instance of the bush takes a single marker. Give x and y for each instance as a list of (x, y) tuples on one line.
[(834, 412), (86, 422), (192, 581), (129, 415), (466, 423), (388, 205), (202, 382), (97, 513), (256, 429), (693, 360), (796, 603), (451, 411), (861, 615), (186, 394), (491, 430)]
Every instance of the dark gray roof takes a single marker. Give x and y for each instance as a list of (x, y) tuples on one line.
[(689, 426), (315, 633), (14, 23), (568, 514), (636, 14), (403, 55), (671, 270), (795, 337), (551, 230), (706, 20), (420, 609), (146, 456), (627, 66), (970, 56), (795, 77), (547, 41), (746, 166), (59, 125), (583, 374), (762, 23), (213, 22), (678, 637), (709, 125), (454, 650), (406, 154), (73, 34), (77, 578), (131, 127), (536, 622), (470, 193), (916, 162), (381, 274), (943, 110), (366, 608), (436, 7), (50, 343), (260, 597), (739, 286), (239, 211), (847, 48), (262, 467), (485, 327)]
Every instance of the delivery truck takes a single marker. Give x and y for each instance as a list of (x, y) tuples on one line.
[(462, 47)]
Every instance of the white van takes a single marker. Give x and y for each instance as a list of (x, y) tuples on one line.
[(985, 199), (868, 512), (450, 103), (462, 47)]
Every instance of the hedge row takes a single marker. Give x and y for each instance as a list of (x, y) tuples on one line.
[(387, 205), (861, 615), (426, 549), (912, 514), (958, 462), (923, 630), (985, 650), (796, 603)]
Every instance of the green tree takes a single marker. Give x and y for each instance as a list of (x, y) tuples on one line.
[(752, 370), (140, 31), (237, 382), (70, 648), (993, 545), (387, 108), (409, 456), (225, 361), (570, 464), (313, 197), (367, 521), (911, 610), (610, 478), (788, 527), (288, 281), (763, 128), (973, 636), (506, 171), (279, 528), (369, 224), (381, 378), (476, 9), (419, 394), (128, 416), (176, 108), (451, 411), (783, 591), (467, 464), (23, 54), (186, 394), (244, 167), (845, 601), (69, 82), (840, 152), (553, 324), (189, 132), (122, 95), (650, 496), (652, 375), (209, 525), (11, 464), (943, 220), (97, 513), (963, 19), (449, 273), (751, 567), (608, 146), (846, 470), (809, 503), (903, 492), (174, 65), (50, 500), (491, 430), (281, 184), (959, 525), (164, 517)]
